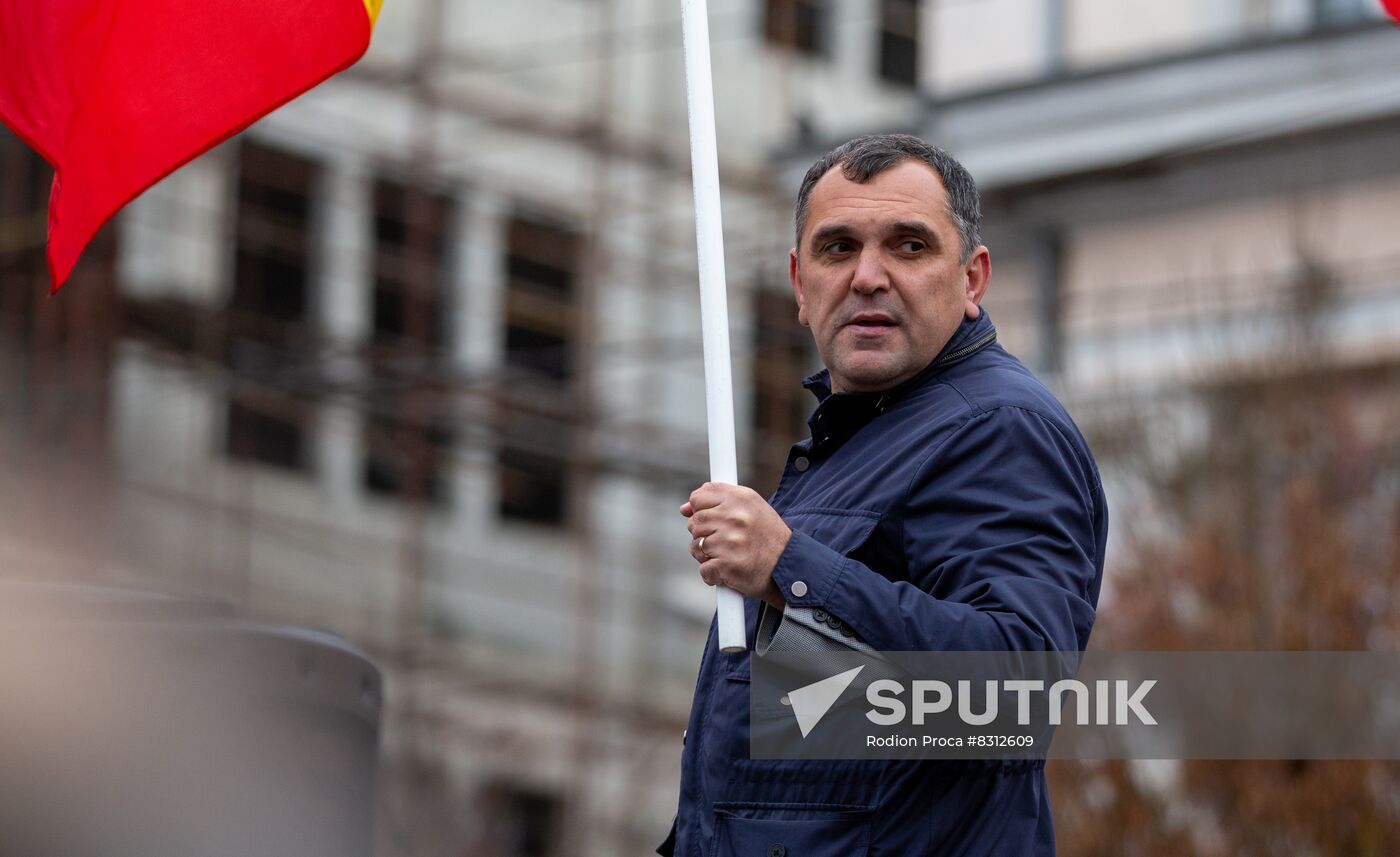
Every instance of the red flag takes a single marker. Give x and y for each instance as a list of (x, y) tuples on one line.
[(116, 94)]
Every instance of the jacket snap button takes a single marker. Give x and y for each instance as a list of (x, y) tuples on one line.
[(801, 464), (798, 588), (777, 851)]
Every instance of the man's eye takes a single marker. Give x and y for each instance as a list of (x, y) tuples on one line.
[(911, 245), (839, 247)]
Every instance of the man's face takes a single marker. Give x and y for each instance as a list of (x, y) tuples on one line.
[(878, 275)]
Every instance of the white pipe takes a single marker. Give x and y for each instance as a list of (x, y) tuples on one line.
[(714, 309)]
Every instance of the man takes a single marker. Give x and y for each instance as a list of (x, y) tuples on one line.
[(945, 501)]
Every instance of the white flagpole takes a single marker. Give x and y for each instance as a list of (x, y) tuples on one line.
[(714, 310)]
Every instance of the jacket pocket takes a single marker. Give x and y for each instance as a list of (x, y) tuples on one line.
[(770, 832), (843, 530)]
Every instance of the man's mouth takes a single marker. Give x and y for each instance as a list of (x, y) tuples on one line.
[(872, 323)]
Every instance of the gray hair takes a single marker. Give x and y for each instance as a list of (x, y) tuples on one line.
[(864, 158)]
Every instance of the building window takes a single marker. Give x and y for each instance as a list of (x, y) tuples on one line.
[(540, 271), (533, 484), (800, 25), (899, 41), (541, 265), (262, 431), (269, 330), (407, 441), (407, 454), (781, 359), (71, 339), (410, 232), (520, 822), (271, 278), (24, 193), (24, 196)]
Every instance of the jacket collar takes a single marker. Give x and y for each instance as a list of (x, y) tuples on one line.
[(838, 415)]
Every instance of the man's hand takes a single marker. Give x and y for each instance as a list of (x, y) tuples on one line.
[(743, 538)]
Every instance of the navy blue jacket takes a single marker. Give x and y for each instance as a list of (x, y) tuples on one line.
[(961, 510)]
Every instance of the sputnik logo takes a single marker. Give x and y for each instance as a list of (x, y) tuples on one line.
[(810, 703)]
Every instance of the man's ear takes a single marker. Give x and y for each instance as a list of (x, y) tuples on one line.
[(797, 287), (979, 275)]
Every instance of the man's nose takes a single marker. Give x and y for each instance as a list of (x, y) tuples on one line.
[(870, 275)]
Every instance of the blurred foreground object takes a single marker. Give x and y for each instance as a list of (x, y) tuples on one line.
[(140, 725), (115, 96)]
